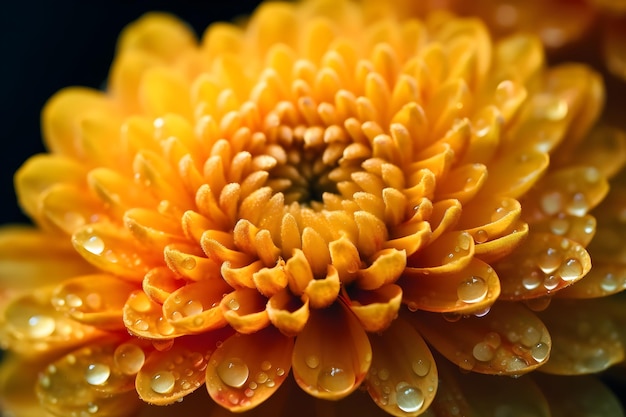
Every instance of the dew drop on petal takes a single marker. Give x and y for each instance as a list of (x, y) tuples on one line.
[(73, 300), (481, 236), (549, 260), (532, 280), (188, 263), (312, 361), (472, 290), (233, 304), (192, 308), (97, 373), (335, 379), (408, 398), (94, 244), (129, 358), (530, 337), (233, 372), (163, 382), (551, 203), (609, 283), (570, 270), (483, 352), (540, 351), (421, 367), (550, 282), (40, 326), (578, 206), (142, 325)]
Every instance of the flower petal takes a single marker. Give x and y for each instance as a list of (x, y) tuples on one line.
[(453, 251), (403, 377), (239, 378), (469, 290), (159, 283), (332, 353), (244, 309), (144, 318), (287, 313), (385, 269), (509, 340), (96, 300), (605, 278), (376, 309), (585, 337), (190, 262)]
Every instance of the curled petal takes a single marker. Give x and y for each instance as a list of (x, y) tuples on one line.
[(453, 251), (509, 340), (445, 215), (332, 353), (244, 310), (270, 281), (191, 263), (378, 308), (386, 268), (287, 313), (470, 290), (194, 308), (493, 250), (239, 378), (299, 272), (94, 299), (489, 218), (403, 377), (463, 183), (584, 337), (323, 292), (159, 283), (545, 263)]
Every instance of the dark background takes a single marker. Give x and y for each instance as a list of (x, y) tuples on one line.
[(47, 45)]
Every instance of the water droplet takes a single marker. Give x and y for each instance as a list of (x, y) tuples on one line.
[(530, 337), (538, 304), (192, 308), (515, 364), (312, 361), (188, 263), (335, 379), (94, 244), (73, 300), (472, 290), (551, 202), (97, 373), (549, 260), (141, 325), (421, 367), (41, 326), (540, 352), (92, 408), (233, 372), (451, 317), (483, 312), (261, 378), (164, 327), (550, 282), (383, 374), (559, 226), (571, 270), (532, 280), (481, 236), (483, 352), (233, 304), (280, 371), (163, 382), (129, 358), (93, 301), (408, 398), (578, 206), (609, 282), (412, 306), (493, 339), (464, 241)]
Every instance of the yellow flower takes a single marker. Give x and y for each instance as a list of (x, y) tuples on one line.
[(331, 192)]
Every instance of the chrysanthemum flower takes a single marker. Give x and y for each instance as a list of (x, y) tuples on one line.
[(330, 192)]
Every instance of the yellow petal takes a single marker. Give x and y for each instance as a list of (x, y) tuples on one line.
[(244, 309), (487, 219), (509, 340), (386, 269), (324, 291), (144, 318), (451, 252), (469, 290), (287, 313), (376, 309), (332, 353), (190, 262), (604, 278), (403, 377), (239, 378), (159, 283), (94, 299)]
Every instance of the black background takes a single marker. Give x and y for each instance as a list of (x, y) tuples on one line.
[(48, 45)]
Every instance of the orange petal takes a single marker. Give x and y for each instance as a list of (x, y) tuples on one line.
[(445, 215), (509, 340), (544, 264), (32, 326), (152, 229), (87, 381), (493, 250), (195, 308), (159, 283), (470, 290), (324, 291), (270, 281), (605, 278), (144, 318), (386, 269), (403, 377), (462, 183), (298, 272), (94, 299), (244, 309), (604, 149), (28, 259), (116, 191), (163, 91), (239, 378), (583, 396), (111, 249), (190, 262), (514, 173), (453, 251), (168, 376), (376, 309), (580, 229), (69, 206), (585, 337), (287, 313), (332, 353)]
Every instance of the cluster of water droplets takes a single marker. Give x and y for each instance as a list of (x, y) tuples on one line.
[(406, 396), (176, 374)]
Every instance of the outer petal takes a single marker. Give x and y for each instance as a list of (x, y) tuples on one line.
[(239, 378), (332, 353), (509, 340), (403, 377), (376, 309)]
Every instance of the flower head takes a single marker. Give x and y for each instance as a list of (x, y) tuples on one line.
[(320, 192)]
